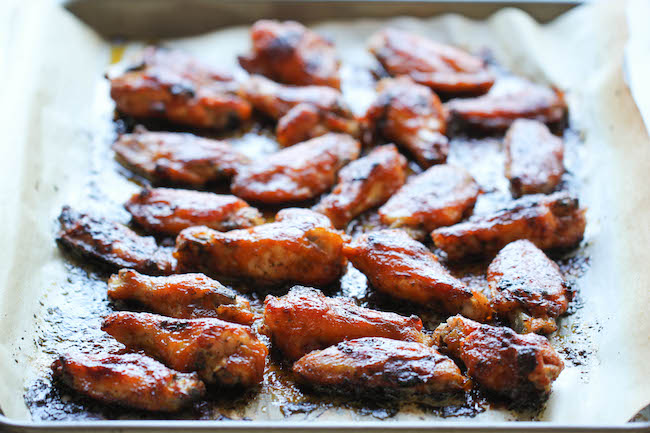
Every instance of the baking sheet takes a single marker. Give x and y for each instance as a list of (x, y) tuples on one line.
[(59, 119)]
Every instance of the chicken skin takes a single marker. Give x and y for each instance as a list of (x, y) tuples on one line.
[(364, 184), (288, 52), (168, 211), (111, 244), (304, 320), (220, 352), (443, 68), (184, 296), (174, 86), (130, 380), (177, 158), (440, 196), (534, 158), (302, 112), (527, 288), (496, 111), (298, 173), (375, 364), (555, 221), (301, 246), (402, 267), (412, 116), (518, 366)]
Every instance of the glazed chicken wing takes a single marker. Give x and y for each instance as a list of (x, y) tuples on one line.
[(177, 158), (534, 158), (301, 246), (499, 359), (527, 288), (168, 211), (184, 296), (375, 364), (440, 196), (289, 53), (111, 244), (364, 184), (402, 267), (444, 68), (412, 116), (306, 320), (130, 380), (172, 85), (298, 173), (220, 352), (302, 112), (553, 221)]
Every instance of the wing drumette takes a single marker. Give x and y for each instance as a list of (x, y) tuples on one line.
[(305, 320), (220, 352)]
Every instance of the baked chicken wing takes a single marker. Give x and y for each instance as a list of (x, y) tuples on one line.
[(364, 184), (304, 320), (131, 380), (220, 352), (301, 246), (499, 359)]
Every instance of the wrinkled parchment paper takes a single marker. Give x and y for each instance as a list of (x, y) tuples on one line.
[(55, 104)]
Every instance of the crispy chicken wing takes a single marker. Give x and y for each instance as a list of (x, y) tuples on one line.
[(375, 363), (298, 173), (184, 296), (553, 221), (174, 86), (303, 112), (412, 116), (301, 246), (364, 184), (131, 380), (527, 288), (440, 196), (306, 320), (177, 158), (500, 359), (444, 68), (220, 352), (402, 267), (111, 244), (168, 211), (288, 52), (534, 158)]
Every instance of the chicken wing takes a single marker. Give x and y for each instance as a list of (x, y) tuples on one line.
[(184, 296), (298, 173), (364, 184), (111, 244), (444, 68), (168, 211), (301, 246), (304, 320), (130, 380), (534, 158), (440, 196), (302, 112), (174, 86), (220, 352), (553, 221), (499, 359), (412, 116), (527, 288), (177, 158), (402, 267), (289, 53), (375, 364)]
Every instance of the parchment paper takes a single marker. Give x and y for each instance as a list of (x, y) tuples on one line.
[(55, 107)]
